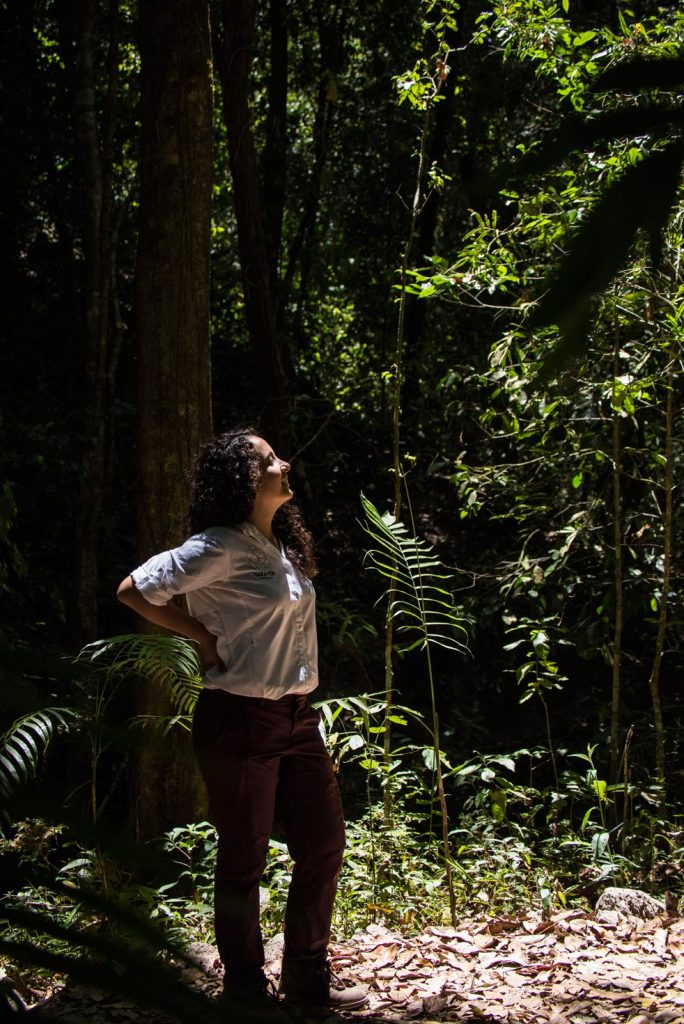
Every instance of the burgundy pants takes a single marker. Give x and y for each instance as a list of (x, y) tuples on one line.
[(254, 753)]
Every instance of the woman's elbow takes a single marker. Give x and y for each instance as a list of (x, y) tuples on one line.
[(126, 591)]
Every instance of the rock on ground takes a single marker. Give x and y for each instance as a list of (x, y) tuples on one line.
[(629, 901)]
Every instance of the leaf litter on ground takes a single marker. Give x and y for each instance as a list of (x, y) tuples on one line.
[(573, 967)]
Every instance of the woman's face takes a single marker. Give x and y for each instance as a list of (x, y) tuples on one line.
[(274, 488)]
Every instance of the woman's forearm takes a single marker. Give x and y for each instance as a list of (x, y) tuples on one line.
[(170, 616)]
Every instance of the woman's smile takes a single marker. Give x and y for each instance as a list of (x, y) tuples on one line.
[(274, 487)]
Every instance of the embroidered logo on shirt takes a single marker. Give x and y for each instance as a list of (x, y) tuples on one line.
[(259, 564)]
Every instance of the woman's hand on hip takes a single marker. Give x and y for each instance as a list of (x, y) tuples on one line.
[(209, 653)]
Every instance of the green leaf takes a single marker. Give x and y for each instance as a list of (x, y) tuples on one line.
[(600, 788), (498, 804), (599, 844), (171, 661), (423, 608), (429, 758), (355, 741), (24, 744)]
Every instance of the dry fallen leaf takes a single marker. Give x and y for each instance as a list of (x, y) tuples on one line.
[(568, 970)]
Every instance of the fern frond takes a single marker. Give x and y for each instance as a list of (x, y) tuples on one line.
[(170, 661), (25, 743), (423, 608)]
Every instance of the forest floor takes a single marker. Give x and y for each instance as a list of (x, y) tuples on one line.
[(575, 967)]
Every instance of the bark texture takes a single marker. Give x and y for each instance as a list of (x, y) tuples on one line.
[(95, 145), (174, 382)]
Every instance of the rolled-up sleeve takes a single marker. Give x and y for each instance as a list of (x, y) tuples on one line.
[(200, 561)]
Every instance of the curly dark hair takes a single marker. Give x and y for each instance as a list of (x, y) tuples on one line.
[(227, 474)]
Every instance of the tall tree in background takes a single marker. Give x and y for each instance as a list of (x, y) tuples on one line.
[(327, 29), (174, 384), (234, 57), (95, 150)]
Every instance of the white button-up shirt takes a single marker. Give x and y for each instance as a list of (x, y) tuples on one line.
[(252, 598)]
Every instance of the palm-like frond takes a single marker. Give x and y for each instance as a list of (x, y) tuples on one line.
[(418, 599), (25, 742), (168, 660), (643, 197)]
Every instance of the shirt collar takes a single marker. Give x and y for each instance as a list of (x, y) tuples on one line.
[(251, 531)]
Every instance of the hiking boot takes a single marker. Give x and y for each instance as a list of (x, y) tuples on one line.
[(252, 990), (313, 983)]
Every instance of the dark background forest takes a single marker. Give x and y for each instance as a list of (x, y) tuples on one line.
[(304, 216)]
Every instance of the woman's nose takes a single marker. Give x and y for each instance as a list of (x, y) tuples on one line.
[(285, 465)]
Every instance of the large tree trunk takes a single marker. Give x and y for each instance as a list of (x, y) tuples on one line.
[(174, 383), (234, 51), (95, 161)]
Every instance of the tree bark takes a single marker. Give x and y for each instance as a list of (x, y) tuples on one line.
[(172, 294), (96, 162), (234, 53)]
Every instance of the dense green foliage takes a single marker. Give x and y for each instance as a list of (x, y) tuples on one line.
[(539, 380)]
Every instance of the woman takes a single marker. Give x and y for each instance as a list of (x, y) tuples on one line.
[(246, 571)]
